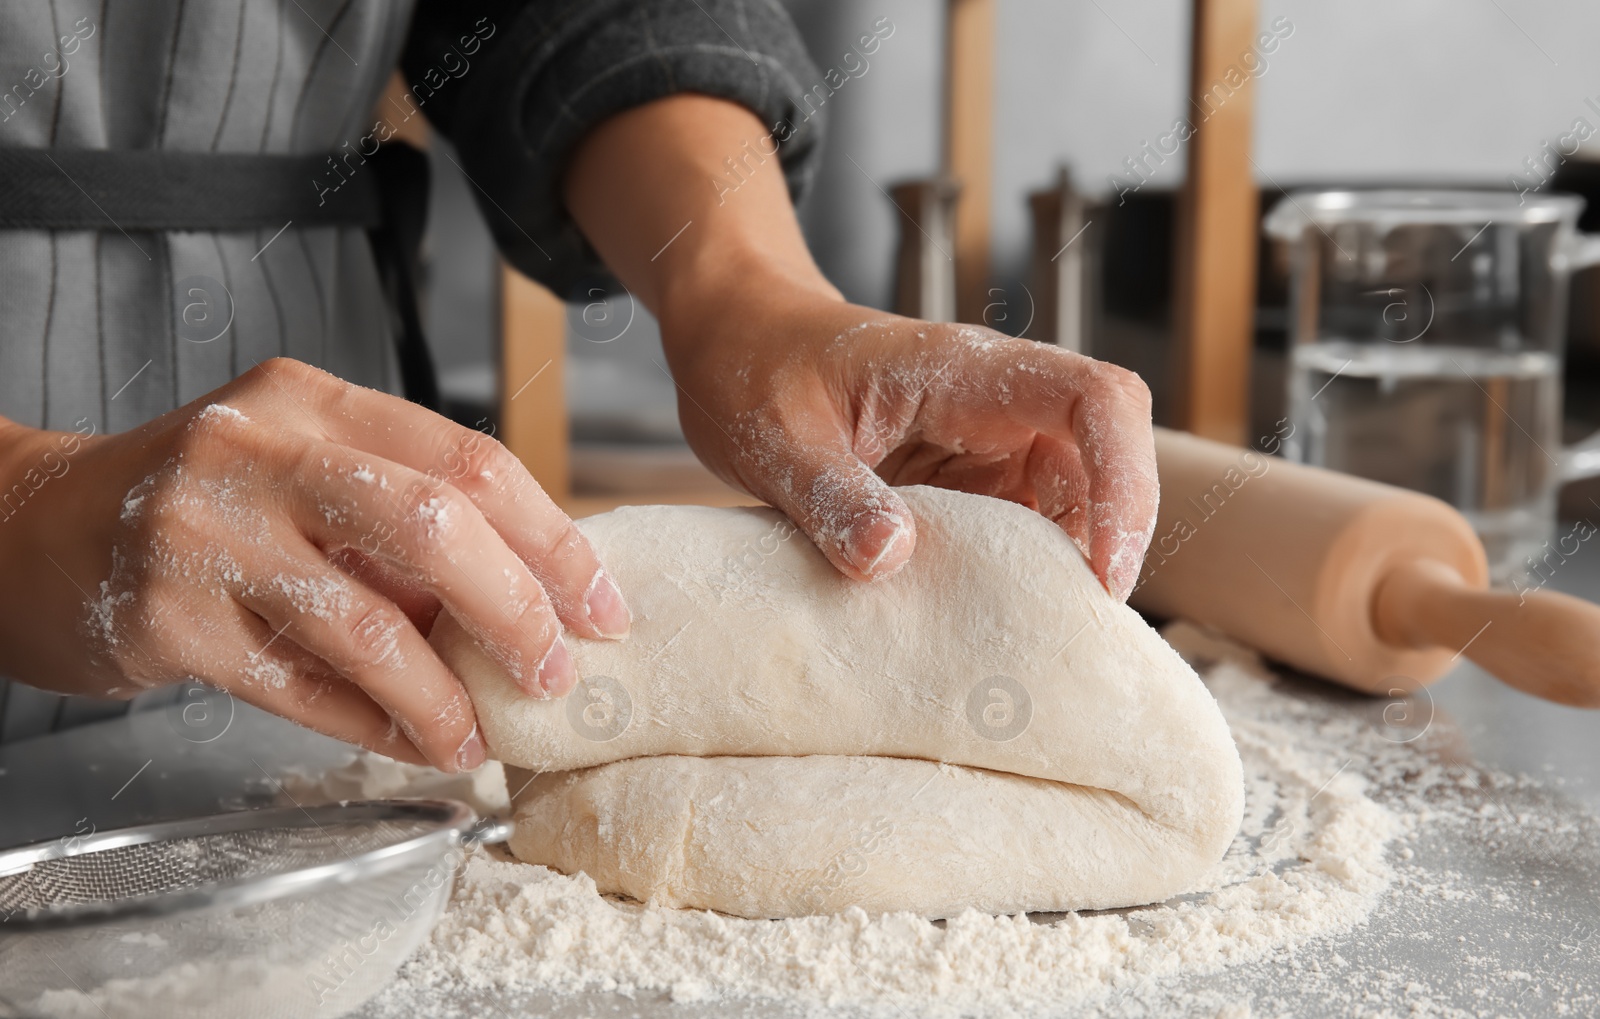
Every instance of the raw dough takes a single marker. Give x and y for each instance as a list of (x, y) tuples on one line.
[(768, 740)]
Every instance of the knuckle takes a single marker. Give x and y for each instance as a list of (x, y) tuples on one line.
[(222, 438), (287, 369), (454, 716), (559, 543), (433, 517), (536, 617), (474, 458), (282, 379), (373, 636), (218, 418), (312, 463), (153, 500), (500, 467), (1124, 384), (1109, 390)]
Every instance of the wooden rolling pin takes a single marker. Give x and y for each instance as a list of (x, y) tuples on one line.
[(1363, 583)]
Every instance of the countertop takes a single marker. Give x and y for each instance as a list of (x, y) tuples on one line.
[(157, 765)]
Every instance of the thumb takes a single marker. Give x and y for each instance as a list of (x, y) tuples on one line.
[(853, 516)]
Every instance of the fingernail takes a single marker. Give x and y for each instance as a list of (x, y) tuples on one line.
[(871, 542), (472, 754), (1127, 561), (608, 613), (556, 673), (1123, 584)]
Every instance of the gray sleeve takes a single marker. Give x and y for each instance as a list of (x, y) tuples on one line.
[(541, 73)]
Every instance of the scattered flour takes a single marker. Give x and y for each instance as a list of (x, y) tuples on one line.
[(1334, 804), (218, 412), (188, 990), (326, 597), (268, 672), (1309, 862), (436, 514), (130, 505)]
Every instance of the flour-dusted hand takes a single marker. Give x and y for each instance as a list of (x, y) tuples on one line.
[(290, 538), (819, 407)]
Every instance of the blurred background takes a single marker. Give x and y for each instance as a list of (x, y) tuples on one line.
[(1480, 94)]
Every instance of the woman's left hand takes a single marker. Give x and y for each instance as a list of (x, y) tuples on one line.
[(818, 407)]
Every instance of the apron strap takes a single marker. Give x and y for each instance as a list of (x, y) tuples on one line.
[(402, 187)]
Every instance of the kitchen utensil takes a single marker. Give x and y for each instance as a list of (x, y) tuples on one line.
[(924, 266), (1374, 586), (1062, 267), (261, 913), (1426, 342)]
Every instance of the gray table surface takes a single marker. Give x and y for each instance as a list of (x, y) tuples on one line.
[(157, 765)]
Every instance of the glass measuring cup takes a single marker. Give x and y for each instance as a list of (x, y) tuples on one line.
[(1426, 342)]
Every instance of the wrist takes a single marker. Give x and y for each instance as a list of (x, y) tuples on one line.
[(734, 282), (19, 445), (31, 464), (28, 460), (32, 457)]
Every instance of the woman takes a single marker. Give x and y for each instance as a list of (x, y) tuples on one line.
[(253, 509)]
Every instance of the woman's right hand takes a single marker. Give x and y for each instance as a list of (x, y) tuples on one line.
[(290, 538)]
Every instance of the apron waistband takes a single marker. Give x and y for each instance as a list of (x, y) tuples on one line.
[(149, 189)]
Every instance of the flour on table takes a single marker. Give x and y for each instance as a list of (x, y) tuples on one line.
[(187, 990), (1309, 862)]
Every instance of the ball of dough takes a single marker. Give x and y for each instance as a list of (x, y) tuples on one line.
[(987, 729)]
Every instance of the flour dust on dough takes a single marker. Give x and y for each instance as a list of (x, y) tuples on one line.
[(987, 729)]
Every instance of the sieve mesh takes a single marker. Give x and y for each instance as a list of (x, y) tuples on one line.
[(307, 951), (180, 864)]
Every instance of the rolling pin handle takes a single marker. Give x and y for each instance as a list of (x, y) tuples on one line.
[(1544, 643)]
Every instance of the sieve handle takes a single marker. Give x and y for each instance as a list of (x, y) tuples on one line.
[(489, 831)]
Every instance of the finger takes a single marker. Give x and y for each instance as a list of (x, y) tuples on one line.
[(989, 467), (808, 470), (433, 534), (369, 641), (279, 676), (1054, 471), (416, 601), (1103, 411), (476, 464)]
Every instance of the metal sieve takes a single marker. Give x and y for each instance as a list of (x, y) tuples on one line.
[(285, 911)]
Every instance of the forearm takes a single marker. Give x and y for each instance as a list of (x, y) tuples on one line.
[(653, 191)]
